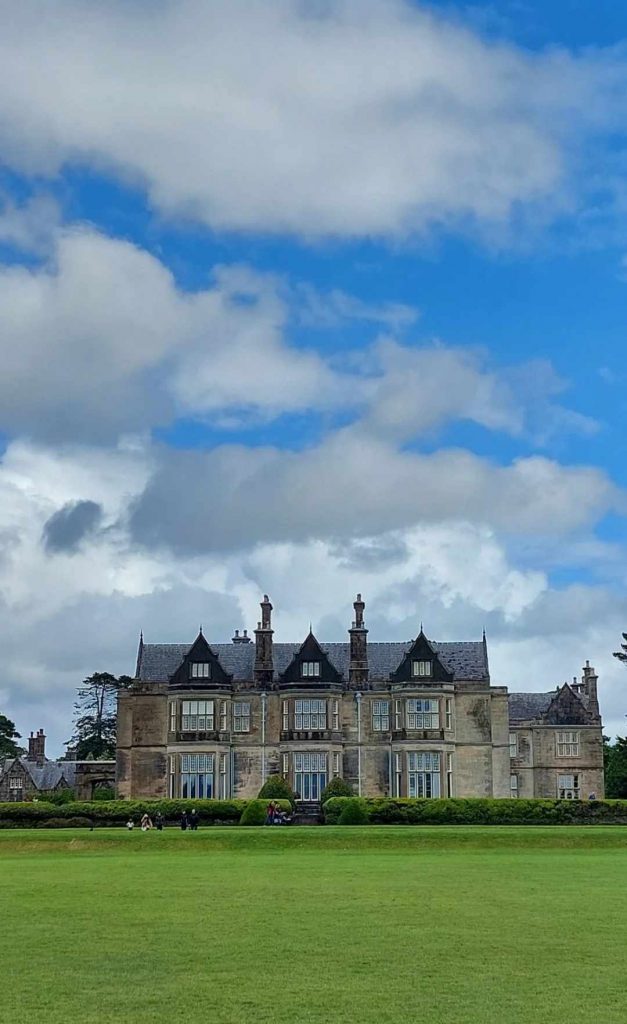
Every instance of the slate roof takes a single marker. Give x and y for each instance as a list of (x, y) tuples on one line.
[(525, 706), (46, 776), (157, 662)]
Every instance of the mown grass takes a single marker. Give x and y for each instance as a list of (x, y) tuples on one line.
[(438, 925)]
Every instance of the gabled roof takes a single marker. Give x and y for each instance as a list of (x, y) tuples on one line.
[(466, 660), (44, 777), (557, 707)]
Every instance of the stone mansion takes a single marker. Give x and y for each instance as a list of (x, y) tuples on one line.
[(415, 719)]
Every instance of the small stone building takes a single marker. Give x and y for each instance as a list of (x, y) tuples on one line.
[(414, 719), (34, 776)]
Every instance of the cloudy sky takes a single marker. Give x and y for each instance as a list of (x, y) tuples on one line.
[(308, 298)]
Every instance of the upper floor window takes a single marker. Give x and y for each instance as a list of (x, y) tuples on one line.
[(568, 787), (420, 668), (241, 716), (310, 669), (200, 670), (513, 744), (380, 715), (449, 713), (310, 714), (197, 716), (16, 783), (568, 744), (423, 714)]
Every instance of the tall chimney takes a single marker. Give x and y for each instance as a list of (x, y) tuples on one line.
[(263, 645), (358, 666), (589, 680), (37, 747)]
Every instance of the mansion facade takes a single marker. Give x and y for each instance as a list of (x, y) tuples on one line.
[(415, 719)]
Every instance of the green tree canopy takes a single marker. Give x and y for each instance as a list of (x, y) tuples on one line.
[(8, 736), (622, 654), (616, 769), (95, 716)]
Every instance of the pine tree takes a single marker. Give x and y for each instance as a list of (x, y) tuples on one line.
[(622, 654), (616, 770), (8, 735), (95, 716)]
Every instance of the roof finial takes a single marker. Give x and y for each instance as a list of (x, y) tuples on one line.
[(310, 629), (421, 629), (141, 636), (200, 629)]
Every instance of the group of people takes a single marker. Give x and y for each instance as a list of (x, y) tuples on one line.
[(275, 816), (189, 820)]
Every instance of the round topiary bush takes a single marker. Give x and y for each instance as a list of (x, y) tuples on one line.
[(354, 812), (277, 788), (336, 787), (255, 811)]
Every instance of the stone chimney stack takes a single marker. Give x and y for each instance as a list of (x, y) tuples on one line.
[(37, 747), (263, 645), (589, 681), (358, 666)]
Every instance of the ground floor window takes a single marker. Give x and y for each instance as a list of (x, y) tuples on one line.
[(513, 785), (423, 770), (310, 774), (16, 789), (568, 787), (197, 781)]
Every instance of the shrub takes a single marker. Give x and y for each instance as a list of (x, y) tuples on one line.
[(277, 788), (117, 812), (255, 811), (479, 811), (354, 811), (61, 796), (104, 793), (336, 787)]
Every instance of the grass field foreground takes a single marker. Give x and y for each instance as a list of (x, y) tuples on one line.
[(446, 925)]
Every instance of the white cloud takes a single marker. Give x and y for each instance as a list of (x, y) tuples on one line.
[(351, 117), (30, 227), (66, 615)]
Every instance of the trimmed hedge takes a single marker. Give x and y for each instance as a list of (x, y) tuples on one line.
[(336, 787), (478, 811), (116, 812), (354, 811)]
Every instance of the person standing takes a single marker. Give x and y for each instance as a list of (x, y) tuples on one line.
[(193, 820), (159, 821), (184, 821)]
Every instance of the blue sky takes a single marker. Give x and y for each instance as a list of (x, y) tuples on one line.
[(285, 318)]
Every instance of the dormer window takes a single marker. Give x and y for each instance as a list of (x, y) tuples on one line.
[(310, 669), (200, 670), (421, 669)]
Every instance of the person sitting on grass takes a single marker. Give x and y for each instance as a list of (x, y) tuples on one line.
[(146, 823), (130, 824)]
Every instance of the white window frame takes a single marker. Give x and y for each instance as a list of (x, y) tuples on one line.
[(423, 774), (568, 786), (200, 670), (16, 783), (380, 715), (336, 764), (223, 773), (173, 716), (310, 714), (513, 785), (567, 743), (241, 716), (421, 669), (398, 773), (197, 776), (224, 718), (310, 669), (335, 714), (285, 713), (422, 713), (398, 715), (513, 744), (448, 713), (449, 774), (197, 715), (285, 765)]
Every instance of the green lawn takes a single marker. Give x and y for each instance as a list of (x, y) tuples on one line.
[(327, 925)]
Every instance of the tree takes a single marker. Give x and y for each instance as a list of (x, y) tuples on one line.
[(8, 735), (622, 654), (95, 716), (616, 769)]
